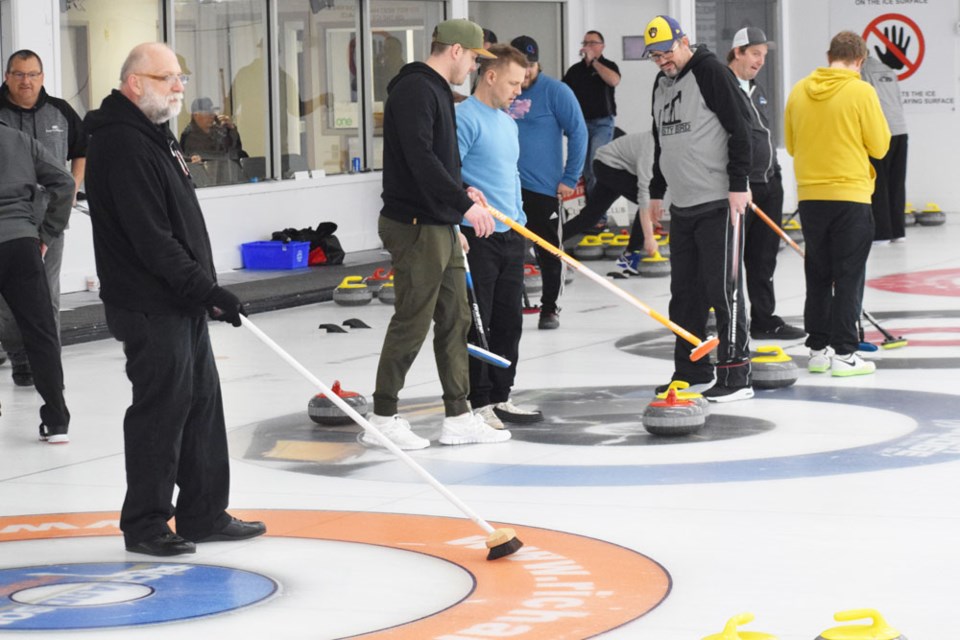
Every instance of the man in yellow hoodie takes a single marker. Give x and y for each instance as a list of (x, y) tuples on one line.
[(833, 125)]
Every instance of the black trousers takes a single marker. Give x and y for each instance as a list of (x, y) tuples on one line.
[(496, 266), (610, 184), (890, 191), (23, 284), (701, 258), (544, 218), (761, 245), (174, 432), (838, 236)]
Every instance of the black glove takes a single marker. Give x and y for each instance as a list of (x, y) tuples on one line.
[(224, 306)]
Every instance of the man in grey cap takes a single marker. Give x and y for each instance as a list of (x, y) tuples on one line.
[(746, 58)]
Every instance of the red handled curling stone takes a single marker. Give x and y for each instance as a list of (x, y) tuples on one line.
[(323, 411), (673, 417), (532, 280)]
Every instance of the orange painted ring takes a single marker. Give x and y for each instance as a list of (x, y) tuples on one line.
[(558, 585)]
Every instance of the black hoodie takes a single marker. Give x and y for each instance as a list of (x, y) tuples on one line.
[(149, 237), (421, 159)]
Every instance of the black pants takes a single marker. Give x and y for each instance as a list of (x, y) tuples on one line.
[(174, 432), (890, 191), (610, 184), (701, 256), (838, 236), (23, 284), (496, 266), (544, 219), (761, 245)]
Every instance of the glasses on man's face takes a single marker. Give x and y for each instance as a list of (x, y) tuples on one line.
[(28, 75), (170, 79), (590, 43), (657, 56)]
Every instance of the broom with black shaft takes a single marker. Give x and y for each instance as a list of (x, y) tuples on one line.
[(500, 542), (483, 351), (701, 347), (890, 342)]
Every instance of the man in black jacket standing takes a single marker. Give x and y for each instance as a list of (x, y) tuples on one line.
[(746, 57), (423, 204), (157, 283)]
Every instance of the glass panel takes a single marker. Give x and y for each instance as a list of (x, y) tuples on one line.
[(539, 20), (719, 20), (319, 112), (95, 38), (224, 126), (402, 30)]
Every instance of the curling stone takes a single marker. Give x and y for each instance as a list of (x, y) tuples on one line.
[(793, 230), (616, 246), (730, 631), (353, 292), (322, 410), (679, 387), (589, 248), (773, 369), (909, 215), (387, 294), (655, 266), (877, 630), (673, 417), (532, 280), (377, 278), (663, 244), (931, 216)]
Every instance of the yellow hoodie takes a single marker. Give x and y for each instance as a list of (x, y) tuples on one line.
[(832, 122)]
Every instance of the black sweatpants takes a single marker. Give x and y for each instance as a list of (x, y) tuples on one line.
[(496, 266), (890, 191), (174, 432), (23, 284), (761, 245), (838, 236), (610, 184), (544, 218), (701, 255)]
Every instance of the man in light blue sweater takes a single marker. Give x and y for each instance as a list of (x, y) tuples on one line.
[(545, 112), (489, 152)]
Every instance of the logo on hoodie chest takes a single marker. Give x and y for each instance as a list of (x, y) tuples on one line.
[(670, 124)]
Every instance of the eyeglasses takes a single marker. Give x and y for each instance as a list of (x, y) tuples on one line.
[(170, 79), (657, 57), (30, 75), (588, 43)]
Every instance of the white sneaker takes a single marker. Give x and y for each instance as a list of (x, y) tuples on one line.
[(852, 365), (509, 412), (469, 428), (396, 430), (820, 360), (490, 417)]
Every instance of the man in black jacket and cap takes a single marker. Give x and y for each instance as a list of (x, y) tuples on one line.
[(424, 203), (158, 283)]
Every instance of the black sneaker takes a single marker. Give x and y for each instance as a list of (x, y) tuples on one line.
[(509, 412), (22, 374), (54, 435), (720, 393), (549, 320), (781, 332), (695, 387)]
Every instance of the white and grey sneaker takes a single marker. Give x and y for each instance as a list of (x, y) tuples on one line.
[(488, 413), (819, 361), (469, 428), (509, 412), (396, 430), (851, 364)]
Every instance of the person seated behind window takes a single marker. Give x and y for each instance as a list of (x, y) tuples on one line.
[(213, 137)]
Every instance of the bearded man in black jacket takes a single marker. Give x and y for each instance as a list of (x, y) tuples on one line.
[(158, 283)]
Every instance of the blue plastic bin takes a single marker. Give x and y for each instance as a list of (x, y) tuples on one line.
[(273, 254)]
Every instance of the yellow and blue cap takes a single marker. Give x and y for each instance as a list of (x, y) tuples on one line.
[(660, 34)]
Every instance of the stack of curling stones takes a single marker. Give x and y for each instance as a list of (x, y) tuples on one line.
[(931, 216), (672, 416), (877, 630), (730, 631), (532, 280), (322, 410), (773, 369), (655, 266), (617, 245), (353, 292)]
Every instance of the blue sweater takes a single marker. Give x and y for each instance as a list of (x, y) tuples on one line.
[(546, 112), (489, 150)]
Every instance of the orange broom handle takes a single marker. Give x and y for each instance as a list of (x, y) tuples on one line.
[(702, 347), (780, 232)]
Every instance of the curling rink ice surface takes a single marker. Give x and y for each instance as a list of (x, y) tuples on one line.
[(831, 494)]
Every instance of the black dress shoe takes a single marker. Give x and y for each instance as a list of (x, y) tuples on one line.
[(165, 544), (236, 530)]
